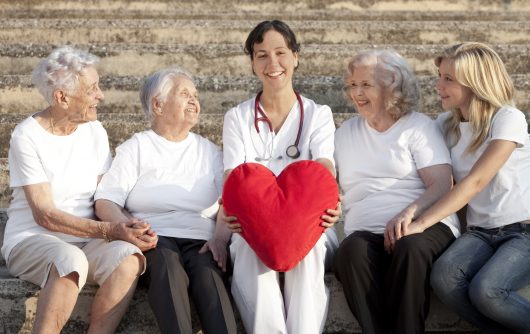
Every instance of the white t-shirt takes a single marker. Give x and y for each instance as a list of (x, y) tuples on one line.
[(242, 143), (506, 199), (71, 164), (378, 171), (172, 185)]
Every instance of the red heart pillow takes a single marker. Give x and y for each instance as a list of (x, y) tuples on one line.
[(280, 217)]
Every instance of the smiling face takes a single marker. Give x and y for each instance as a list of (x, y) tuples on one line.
[(453, 94), (181, 108), (365, 91), (83, 102), (273, 62)]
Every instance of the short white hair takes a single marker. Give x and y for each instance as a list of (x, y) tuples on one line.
[(60, 70), (157, 86), (402, 92)]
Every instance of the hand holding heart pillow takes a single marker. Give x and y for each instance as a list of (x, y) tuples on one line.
[(280, 217)]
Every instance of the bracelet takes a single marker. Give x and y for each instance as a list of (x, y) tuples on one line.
[(103, 232)]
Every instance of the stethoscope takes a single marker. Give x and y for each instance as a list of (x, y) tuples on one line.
[(292, 151)]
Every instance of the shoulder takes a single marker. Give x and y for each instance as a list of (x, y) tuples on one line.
[(311, 107), (26, 128), (347, 127), (509, 113), (134, 143), (242, 108), (205, 142)]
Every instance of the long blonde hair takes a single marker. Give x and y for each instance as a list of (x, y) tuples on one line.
[(478, 67)]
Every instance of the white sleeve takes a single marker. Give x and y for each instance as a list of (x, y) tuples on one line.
[(25, 166), (104, 155), (510, 124), (428, 147), (218, 169), (322, 139), (122, 176), (233, 145)]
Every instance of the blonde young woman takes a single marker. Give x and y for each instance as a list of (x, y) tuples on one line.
[(479, 275)]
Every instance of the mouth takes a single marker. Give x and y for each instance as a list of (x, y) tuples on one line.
[(191, 110), (275, 75), (361, 103)]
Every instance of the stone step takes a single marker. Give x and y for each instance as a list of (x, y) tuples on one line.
[(119, 59), (59, 31), (273, 5), (18, 301), (336, 13), (217, 94)]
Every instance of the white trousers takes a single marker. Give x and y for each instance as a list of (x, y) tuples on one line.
[(256, 290)]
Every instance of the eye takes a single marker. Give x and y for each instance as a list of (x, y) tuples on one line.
[(448, 79), (261, 56), (185, 94), (366, 85)]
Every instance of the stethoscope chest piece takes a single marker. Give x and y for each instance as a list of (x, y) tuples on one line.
[(293, 152)]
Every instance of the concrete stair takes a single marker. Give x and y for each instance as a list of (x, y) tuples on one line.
[(136, 37)]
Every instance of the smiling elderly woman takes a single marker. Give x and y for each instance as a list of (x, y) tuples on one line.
[(172, 178), (392, 164), (56, 158)]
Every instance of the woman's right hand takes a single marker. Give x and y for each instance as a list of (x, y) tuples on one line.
[(136, 231), (229, 221)]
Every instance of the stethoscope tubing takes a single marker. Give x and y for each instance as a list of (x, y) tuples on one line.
[(259, 115)]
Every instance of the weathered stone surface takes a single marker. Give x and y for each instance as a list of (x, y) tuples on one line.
[(228, 60), (58, 31)]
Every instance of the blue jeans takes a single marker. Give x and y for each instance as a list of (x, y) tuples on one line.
[(480, 274)]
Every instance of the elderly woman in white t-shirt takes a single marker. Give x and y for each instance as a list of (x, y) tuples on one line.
[(392, 164), (56, 159), (172, 178)]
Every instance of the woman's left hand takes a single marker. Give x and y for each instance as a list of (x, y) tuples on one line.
[(394, 229), (332, 216), (218, 249)]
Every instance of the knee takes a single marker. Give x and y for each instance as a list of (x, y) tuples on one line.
[(351, 254), (76, 262), (411, 248), (444, 275), (484, 294), (130, 268)]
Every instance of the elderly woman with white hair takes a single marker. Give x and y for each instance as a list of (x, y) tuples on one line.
[(56, 159), (172, 178), (392, 164)]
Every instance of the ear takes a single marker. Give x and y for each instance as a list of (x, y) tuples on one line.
[(295, 60), (252, 66), (157, 106), (61, 99)]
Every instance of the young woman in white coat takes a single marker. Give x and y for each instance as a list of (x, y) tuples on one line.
[(275, 128)]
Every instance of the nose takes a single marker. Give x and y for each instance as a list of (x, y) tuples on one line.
[(438, 84), (99, 94)]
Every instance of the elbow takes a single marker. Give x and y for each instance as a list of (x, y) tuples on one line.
[(44, 219)]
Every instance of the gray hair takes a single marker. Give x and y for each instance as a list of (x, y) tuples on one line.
[(60, 70), (157, 86), (402, 93)]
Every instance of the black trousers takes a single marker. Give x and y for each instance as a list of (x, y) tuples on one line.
[(174, 269), (390, 293)]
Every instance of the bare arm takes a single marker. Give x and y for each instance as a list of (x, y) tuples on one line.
[(112, 212), (39, 197), (483, 171), (47, 215)]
